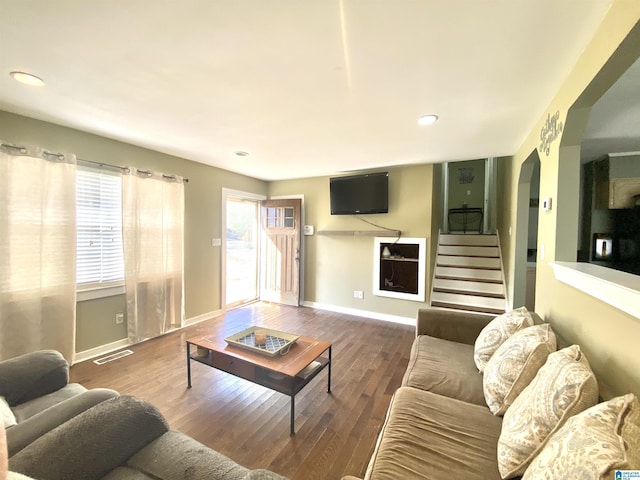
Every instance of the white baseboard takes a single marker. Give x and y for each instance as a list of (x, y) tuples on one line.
[(113, 346), (362, 313), (101, 350), (202, 318)]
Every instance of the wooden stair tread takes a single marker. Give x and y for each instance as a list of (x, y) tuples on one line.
[(468, 274), (493, 311), (469, 251), (491, 289), (457, 273)]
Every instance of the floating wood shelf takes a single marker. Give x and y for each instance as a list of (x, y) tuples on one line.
[(362, 233)]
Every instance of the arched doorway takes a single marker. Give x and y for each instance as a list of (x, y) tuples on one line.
[(526, 245)]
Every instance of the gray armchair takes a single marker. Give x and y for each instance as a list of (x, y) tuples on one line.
[(38, 395), (125, 438)]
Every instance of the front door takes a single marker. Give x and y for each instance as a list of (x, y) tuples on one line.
[(280, 273)]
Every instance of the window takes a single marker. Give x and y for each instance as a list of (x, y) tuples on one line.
[(100, 261), (279, 217)]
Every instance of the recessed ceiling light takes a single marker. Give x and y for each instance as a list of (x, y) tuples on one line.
[(27, 79), (427, 119), (240, 153)]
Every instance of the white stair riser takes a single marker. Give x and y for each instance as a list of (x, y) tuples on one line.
[(479, 288), (477, 262), (485, 240), (469, 251), (469, 273), (469, 300)]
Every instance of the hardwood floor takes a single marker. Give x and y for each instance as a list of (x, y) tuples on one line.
[(335, 433)]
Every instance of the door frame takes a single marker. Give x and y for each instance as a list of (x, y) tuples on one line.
[(301, 262), (229, 192)]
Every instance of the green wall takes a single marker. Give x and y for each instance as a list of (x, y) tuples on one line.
[(471, 193), (336, 265), (95, 324)]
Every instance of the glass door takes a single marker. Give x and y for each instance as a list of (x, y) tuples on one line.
[(241, 252)]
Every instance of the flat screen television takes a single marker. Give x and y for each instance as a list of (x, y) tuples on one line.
[(359, 194)]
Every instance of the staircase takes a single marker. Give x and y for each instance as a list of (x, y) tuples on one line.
[(468, 274)]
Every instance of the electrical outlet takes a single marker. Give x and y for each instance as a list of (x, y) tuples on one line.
[(119, 318), (359, 294)]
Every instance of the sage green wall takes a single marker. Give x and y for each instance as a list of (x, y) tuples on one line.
[(470, 193), (608, 336), (335, 265), (203, 206), (437, 214)]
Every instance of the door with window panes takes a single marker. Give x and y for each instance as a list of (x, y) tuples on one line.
[(280, 272)]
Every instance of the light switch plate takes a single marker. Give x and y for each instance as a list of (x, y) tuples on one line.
[(308, 229)]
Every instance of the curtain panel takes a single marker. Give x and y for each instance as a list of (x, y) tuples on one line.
[(37, 251), (153, 234)]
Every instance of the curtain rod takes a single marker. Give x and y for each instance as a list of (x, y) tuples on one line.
[(23, 149)]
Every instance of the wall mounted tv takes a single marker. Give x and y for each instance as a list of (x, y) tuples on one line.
[(359, 194)]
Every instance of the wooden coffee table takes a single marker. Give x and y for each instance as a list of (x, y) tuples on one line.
[(287, 374)]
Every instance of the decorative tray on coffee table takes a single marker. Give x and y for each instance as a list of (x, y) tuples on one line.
[(278, 343)]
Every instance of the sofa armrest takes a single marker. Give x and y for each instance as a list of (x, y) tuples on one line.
[(32, 375), (462, 327), (25, 432), (93, 443)]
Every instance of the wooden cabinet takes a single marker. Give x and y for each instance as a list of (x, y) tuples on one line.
[(623, 192), (400, 268), (616, 181)]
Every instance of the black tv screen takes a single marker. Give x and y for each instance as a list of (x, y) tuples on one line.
[(359, 194)]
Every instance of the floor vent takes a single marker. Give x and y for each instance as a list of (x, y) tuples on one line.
[(112, 357)]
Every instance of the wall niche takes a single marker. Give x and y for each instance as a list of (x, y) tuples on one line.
[(399, 268)]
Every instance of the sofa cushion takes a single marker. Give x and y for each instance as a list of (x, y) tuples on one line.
[(429, 436), (33, 407), (593, 443), (38, 424), (176, 456), (93, 443), (497, 332), (563, 387), (8, 418), (32, 375), (128, 473), (444, 367), (514, 365)]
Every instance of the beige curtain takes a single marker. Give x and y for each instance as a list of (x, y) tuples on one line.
[(153, 233), (37, 251)]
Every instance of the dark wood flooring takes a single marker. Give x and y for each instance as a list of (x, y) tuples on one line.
[(335, 433)]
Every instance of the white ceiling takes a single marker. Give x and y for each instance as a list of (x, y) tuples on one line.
[(307, 87)]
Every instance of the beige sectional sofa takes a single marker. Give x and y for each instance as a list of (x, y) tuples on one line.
[(439, 425)]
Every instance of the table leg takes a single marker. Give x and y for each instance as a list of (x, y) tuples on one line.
[(188, 367), (293, 412), (329, 381)]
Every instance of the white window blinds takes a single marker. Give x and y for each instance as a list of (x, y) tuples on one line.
[(99, 228)]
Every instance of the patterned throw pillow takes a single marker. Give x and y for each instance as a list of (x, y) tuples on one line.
[(514, 365), (592, 444), (563, 387), (496, 332)]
